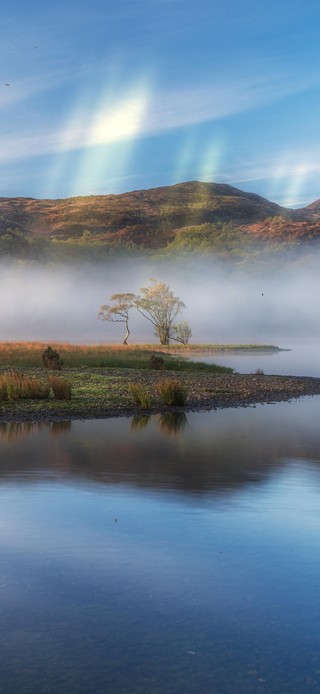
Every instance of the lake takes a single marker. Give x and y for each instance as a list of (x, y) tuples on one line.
[(163, 554), (299, 360)]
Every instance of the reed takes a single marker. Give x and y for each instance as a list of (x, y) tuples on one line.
[(20, 386), (140, 395), (29, 354), (171, 392), (3, 390), (60, 387)]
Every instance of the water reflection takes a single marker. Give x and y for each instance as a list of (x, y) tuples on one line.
[(14, 431), (211, 452), (169, 423), (139, 421), (138, 562)]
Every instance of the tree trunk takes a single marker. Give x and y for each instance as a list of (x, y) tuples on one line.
[(125, 341), (164, 337)]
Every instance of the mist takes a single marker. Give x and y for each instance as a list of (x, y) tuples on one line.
[(61, 303)]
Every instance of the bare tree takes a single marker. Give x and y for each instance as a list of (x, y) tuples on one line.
[(158, 304), (119, 312)]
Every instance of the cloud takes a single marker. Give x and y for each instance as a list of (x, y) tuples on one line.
[(23, 90), (141, 112)]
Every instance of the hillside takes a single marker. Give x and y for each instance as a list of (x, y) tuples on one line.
[(185, 216)]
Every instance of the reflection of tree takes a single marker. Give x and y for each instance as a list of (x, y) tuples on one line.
[(139, 421), (172, 422)]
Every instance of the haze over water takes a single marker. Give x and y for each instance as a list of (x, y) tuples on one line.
[(248, 305)]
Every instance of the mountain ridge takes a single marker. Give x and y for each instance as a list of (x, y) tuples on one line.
[(186, 213)]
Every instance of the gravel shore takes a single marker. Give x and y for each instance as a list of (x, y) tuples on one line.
[(205, 392)]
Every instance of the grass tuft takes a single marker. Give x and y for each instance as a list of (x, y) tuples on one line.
[(171, 392), (60, 387), (139, 395)]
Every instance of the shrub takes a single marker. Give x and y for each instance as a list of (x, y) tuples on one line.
[(259, 372), (61, 388), (139, 395), (51, 359), (171, 392), (156, 362)]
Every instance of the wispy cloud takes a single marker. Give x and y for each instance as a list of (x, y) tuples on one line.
[(23, 90), (285, 175), (142, 112)]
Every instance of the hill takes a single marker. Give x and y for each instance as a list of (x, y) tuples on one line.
[(184, 216)]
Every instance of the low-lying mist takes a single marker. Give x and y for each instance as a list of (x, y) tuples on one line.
[(61, 303)]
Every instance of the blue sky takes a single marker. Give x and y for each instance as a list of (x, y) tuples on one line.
[(106, 97)]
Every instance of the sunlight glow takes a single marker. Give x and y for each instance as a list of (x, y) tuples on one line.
[(291, 177), (185, 161), (209, 165), (102, 135)]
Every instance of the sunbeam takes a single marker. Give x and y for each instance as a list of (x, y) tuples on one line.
[(102, 134)]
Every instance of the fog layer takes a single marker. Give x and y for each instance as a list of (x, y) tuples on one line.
[(62, 303)]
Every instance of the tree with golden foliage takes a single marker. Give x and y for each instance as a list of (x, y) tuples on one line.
[(158, 304), (119, 311)]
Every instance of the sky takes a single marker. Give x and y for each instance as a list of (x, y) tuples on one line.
[(109, 96)]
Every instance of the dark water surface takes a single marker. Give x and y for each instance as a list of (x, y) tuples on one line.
[(162, 555)]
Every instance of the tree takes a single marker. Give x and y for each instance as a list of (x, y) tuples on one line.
[(158, 304), (181, 332), (119, 312)]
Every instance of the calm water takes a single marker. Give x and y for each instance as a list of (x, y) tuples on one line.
[(299, 360), (162, 555)]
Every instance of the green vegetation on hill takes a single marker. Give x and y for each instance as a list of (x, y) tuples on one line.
[(189, 217)]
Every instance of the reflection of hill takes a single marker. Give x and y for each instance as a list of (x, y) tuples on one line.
[(218, 451)]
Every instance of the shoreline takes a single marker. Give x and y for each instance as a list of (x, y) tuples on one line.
[(206, 392)]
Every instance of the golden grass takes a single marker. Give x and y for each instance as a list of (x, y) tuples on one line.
[(16, 385), (171, 392), (60, 387)]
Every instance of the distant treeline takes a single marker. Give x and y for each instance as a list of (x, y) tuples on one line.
[(222, 241)]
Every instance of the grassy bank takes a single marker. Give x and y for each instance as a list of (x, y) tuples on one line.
[(28, 354), (108, 392), (103, 380)]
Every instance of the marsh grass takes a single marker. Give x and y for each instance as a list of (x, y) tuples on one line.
[(139, 395), (3, 390), (60, 387), (29, 354), (16, 385), (171, 392)]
